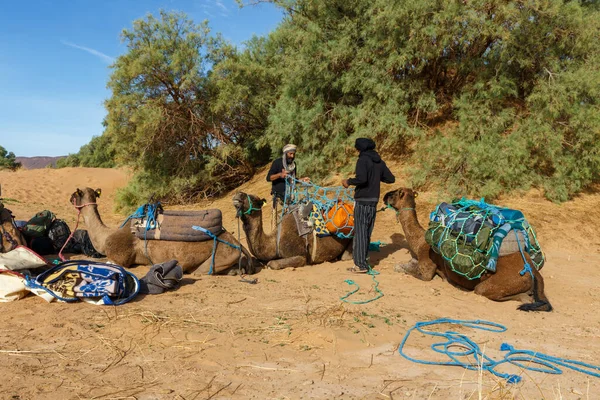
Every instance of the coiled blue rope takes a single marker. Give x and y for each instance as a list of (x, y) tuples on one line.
[(476, 360)]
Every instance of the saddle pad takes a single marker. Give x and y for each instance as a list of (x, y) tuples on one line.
[(177, 226)]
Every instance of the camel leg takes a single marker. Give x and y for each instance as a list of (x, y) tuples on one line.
[(347, 254), (290, 262), (502, 285), (225, 258), (506, 283), (247, 265), (423, 269)]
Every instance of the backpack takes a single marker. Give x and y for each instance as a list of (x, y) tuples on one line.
[(90, 281), (59, 232), (38, 225)]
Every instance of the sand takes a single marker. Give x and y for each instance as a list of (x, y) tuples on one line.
[(290, 336)]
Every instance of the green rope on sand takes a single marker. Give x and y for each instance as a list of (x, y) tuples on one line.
[(371, 272)]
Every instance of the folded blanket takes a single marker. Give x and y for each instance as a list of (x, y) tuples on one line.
[(161, 277)]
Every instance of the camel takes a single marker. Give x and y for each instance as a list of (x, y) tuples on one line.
[(125, 249), (293, 250), (499, 286), (10, 235)]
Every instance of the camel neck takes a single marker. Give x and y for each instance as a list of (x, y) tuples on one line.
[(263, 246), (96, 228), (413, 231)]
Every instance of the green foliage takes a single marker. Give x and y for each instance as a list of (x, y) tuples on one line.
[(7, 160), (528, 116), (248, 84), (160, 117), (98, 153), (479, 97), (486, 97)]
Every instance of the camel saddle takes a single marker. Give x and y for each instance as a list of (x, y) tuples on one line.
[(175, 225)]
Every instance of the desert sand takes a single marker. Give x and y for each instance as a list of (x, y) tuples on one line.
[(290, 336)]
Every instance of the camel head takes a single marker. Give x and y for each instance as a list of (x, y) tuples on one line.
[(403, 198), (247, 204), (80, 198)]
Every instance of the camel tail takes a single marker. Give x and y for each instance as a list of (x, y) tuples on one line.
[(540, 301)]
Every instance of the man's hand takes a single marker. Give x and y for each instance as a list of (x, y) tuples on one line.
[(284, 173), (345, 183)]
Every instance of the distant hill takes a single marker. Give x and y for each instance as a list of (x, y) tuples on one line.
[(38, 162)]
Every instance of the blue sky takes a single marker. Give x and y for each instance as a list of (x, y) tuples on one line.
[(55, 57)]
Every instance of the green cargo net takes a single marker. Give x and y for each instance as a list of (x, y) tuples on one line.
[(468, 234)]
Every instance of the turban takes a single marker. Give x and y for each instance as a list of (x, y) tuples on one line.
[(288, 148)]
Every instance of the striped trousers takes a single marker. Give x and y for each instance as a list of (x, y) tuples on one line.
[(364, 221)]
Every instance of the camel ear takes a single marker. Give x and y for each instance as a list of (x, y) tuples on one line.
[(98, 192), (264, 201), (79, 192)]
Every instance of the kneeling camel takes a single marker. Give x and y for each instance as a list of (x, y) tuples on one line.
[(504, 283), (290, 249), (124, 248)]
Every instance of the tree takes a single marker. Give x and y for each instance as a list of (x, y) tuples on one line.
[(484, 96), (248, 83), (98, 153), (160, 117), (7, 160)]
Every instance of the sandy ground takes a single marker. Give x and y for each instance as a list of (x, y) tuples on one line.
[(290, 336)]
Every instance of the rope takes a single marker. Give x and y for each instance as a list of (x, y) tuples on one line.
[(477, 360), (78, 208), (379, 295), (148, 211), (215, 240), (327, 201)]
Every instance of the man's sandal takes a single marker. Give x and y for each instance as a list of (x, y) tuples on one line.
[(358, 270)]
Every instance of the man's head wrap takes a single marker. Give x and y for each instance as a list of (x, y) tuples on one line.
[(291, 167), (289, 147)]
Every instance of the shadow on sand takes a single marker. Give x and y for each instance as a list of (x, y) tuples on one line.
[(398, 243)]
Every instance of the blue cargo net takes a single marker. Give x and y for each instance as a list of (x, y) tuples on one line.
[(332, 207)]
